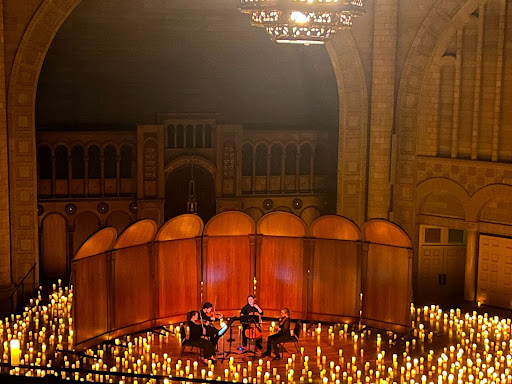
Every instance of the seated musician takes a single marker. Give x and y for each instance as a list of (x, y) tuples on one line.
[(208, 317), (251, 312), (279, 337), (197, 334)]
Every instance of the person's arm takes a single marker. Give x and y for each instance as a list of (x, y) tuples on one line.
[(260, 311)]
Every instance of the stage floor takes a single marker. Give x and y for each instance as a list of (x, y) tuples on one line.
[(442, 347)]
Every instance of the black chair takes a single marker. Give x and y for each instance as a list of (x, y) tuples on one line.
[(186, 343), (292, 339)]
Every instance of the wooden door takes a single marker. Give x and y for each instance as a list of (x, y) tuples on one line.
[(431, 268), (453, 269)]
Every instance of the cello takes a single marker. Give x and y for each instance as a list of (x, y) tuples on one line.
[(253, 332)]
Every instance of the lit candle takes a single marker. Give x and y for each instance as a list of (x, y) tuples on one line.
[(15, 352)]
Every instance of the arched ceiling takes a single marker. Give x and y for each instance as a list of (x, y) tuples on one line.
[(119, 63)]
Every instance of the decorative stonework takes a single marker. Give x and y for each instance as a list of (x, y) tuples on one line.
[(353, 125), (442, 20), (471, 175), (21, 127)]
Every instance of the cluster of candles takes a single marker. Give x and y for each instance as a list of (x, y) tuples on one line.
[(443, 347)]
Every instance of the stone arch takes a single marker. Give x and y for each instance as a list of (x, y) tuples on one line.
[(443, 19), (188, 160), (353, 107), (443, 186), (485, 195)]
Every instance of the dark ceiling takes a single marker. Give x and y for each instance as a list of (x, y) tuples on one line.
[(117, 63)]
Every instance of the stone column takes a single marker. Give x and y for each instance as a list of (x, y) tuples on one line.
[(5, 243), (471, 260), (382, 107)]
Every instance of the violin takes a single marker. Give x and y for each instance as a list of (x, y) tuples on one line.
[(282, 319), (214, 315)]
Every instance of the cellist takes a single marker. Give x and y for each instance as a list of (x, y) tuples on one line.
[(251, 309)]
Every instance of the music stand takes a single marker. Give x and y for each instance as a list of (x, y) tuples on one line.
[(223, 330), (249, 320)]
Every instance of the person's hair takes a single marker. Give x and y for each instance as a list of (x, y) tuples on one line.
[(190, 315), (207, 305), (287, 311), (251, 296)]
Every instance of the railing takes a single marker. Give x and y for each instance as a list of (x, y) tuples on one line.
[(22, 285), (58, 374)]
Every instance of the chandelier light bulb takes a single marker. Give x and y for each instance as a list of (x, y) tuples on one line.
[(302, 21), (299, 17)]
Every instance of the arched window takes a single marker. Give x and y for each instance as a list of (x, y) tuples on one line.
[(199, 136), (110, 162), (170, 136), (61, 163), (208, 141), (94, 167), (190, 136), (290, 162), (126, 161), (305, 159), (180, 136), (321, 160), (261, 160), (44, 159), (77, 162), (276, 153), (247, 160)]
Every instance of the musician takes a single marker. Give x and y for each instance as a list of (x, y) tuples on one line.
[(251, 312), (197, 334), (208, 317), (279, 337)]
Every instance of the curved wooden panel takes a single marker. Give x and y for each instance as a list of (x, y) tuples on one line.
[(230, 223), (228, 272), (335, 261), (335, 227), (181, 227), (178, 276), (141, 232), (91, 293), (132, 285), (387, 294), (281, 270), (380, 231), (99, 242), (282, 224)]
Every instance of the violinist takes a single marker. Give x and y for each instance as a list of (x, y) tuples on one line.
[(251, 312), (208, 316), (283, 334), (197, 332)]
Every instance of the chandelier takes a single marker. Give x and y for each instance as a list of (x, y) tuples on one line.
[(302, 21)]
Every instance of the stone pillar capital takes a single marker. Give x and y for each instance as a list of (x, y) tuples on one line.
[(471, 226)]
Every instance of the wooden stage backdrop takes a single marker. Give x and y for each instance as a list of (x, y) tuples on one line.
[(145, 277)]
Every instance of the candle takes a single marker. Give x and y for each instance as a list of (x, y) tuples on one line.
[(15, 352)]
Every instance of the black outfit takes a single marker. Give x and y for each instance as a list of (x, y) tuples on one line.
[(279, 337), (211, 331), (196, 340), (246, 313)]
